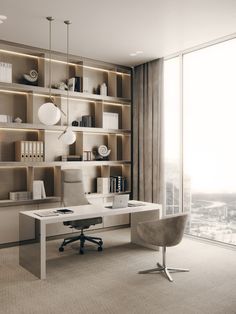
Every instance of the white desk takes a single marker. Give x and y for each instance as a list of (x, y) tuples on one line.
[(33, 256)]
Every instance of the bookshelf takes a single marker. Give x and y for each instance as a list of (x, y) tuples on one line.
[(18, 99)]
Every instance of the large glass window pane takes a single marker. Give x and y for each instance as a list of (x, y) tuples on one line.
[(209, 113), (172, 135)]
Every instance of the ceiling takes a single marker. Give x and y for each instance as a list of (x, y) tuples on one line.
[(110, 30)]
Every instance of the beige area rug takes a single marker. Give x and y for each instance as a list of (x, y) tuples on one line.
[(108, 281)]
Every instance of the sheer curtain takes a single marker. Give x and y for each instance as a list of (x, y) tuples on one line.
[(147, 132)]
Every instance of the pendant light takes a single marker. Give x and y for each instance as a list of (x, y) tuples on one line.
[(68, 136), (49, 113)]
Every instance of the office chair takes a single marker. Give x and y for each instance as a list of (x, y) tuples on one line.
[(73, 195), (164, 232)]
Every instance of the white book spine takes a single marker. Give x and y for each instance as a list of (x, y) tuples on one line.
[(1, 71), (38, 146), (34, 148), (43, 193), (37, 189), (30, 150), (22, 149), (41, 151), (26, 149)]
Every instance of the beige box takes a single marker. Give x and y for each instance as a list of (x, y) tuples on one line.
[(103, 185)]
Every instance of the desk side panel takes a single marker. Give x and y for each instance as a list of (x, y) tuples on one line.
[(29, 254), (141, 217)]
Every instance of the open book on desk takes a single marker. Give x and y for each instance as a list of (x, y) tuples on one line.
[(47, 214)]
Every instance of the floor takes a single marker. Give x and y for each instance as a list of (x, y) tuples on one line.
[(108, 281)]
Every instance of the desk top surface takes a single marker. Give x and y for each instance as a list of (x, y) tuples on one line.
[(90, 211)]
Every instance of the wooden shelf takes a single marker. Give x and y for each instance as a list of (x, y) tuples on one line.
[(21, 100), (52, 199), (29, 126), (17, 164), (22, 88)]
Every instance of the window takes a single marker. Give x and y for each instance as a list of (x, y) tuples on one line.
[(206, 144)]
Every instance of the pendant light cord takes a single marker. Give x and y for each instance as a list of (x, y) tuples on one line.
[(68, 69), (50, 19)]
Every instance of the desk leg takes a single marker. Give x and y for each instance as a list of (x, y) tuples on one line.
[(43, 255), (141, 217), (32, 256)]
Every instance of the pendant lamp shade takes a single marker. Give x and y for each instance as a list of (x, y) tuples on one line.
[(68, 137), (49, 114)]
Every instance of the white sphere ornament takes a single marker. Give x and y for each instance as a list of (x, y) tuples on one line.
[(68, 137), (49, 114)]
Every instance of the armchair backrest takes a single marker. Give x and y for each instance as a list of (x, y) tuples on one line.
[(167, 231), (73, 188)]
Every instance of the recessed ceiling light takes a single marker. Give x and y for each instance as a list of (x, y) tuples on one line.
[(132, 54), (3, 17), (139, 52)]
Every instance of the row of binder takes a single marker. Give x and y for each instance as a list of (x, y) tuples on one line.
[(29, 151)]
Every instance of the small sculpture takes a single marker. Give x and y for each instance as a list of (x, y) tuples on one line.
[(103, 89), (17, 120), (61, 86), (102, 153), (31, 78), (75, 123)]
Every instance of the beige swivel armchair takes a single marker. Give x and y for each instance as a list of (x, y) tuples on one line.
[(165, 232), (73, 195)]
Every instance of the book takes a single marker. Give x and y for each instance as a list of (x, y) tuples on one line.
[(19, 151), (71, 84), (38, 190), (47, 214), (87, 121), (77, 87), (20, 195)]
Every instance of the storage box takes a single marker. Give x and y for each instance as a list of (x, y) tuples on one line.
[(103, 185), (110, 120), (5, 72)]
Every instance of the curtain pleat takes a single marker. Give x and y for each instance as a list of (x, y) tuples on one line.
[(147, 131)]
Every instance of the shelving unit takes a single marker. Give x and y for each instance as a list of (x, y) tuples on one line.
[(18, 99)]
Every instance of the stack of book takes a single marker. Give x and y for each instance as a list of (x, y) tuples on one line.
[(20, 196), (87, 121), (75, 84), (118, 184), (71, 158), (29, 151), (5, 72)]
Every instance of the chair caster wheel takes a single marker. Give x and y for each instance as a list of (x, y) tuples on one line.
[(81, 251), (100, 249), (61, 249), (100, 243)]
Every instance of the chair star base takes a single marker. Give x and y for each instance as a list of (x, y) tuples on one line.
[(82, 238), (166, 270)]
